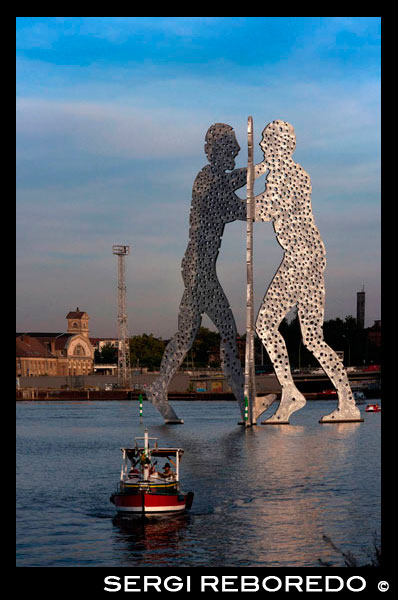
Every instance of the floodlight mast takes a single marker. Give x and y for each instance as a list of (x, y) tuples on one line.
[(123, 354)]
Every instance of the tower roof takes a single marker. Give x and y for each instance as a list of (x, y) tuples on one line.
[(76, 314)]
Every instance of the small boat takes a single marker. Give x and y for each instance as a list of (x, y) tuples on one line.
[(144, 491), (327, 394), (373, 408)]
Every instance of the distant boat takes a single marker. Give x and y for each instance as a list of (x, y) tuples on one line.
[(144, 492), (327, 394), (372, 408)]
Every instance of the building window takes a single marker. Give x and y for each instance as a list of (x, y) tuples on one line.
[(79, 350)]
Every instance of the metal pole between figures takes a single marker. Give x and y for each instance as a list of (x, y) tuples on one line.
[(249, 385)]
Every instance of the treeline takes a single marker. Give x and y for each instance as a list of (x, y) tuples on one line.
[(342, 335), (147, 351)]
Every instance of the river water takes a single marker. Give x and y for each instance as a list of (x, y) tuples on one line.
[(263, 497)]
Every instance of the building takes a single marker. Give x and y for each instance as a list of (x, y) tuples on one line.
[(100, 343), (217, 383), (70, 353), (374, 334), (361, 309), (34, 358)]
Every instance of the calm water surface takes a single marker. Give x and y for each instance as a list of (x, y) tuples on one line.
[(263, 496)]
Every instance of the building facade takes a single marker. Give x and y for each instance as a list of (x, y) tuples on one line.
[(374, 334), (70, 353)]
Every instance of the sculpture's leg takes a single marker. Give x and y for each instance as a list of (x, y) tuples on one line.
[(188, 324), (261, 404), (292, 399), (221, 314), (311, 327), (275, 306), (155, 397)]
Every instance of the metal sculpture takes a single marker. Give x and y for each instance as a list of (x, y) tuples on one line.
[(214, 203), (299, 281)]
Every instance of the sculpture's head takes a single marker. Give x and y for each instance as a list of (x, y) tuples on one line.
[(278, 138), (221, 146)]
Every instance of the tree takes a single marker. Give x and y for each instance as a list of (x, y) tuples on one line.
[(340, 334), (206, 345), (106, 356), (146, 351), (349, 337)]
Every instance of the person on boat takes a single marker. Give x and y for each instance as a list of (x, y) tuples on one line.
[(167, 472), (133, 471), (152, 471)]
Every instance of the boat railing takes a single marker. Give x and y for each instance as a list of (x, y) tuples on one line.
[(139, 482)]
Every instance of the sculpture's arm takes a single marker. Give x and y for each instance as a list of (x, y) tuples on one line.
[(260, 169), (263, 205), (238, 178), (264, 209), (240, 209)]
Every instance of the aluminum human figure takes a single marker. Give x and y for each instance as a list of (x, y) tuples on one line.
[(299, 280), (214, 203)]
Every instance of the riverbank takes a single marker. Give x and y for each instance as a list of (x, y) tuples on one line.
[(210, 386), (194, 381), (40, 395)]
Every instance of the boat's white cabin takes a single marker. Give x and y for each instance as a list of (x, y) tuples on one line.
[(140, 463)]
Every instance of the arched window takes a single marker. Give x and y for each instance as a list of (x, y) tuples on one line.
[(79, 350)]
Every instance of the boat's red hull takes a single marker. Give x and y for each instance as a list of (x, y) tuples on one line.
[(149, 503)]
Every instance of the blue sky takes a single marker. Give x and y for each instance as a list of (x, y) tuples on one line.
[(111, 118)]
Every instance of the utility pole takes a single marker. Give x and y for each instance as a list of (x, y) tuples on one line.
[(250, 383), (123, 355)]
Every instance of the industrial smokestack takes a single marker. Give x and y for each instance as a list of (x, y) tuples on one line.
[(361, 308)]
